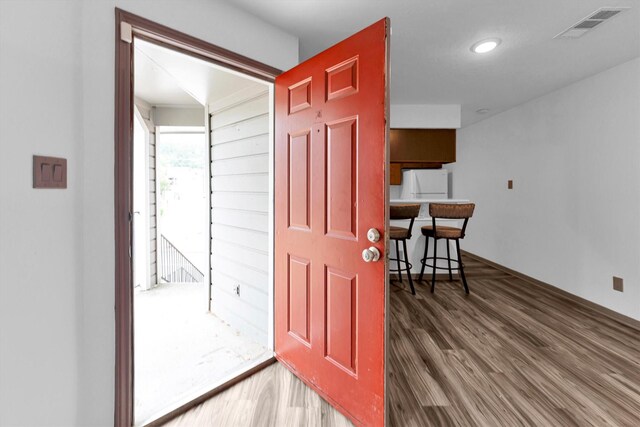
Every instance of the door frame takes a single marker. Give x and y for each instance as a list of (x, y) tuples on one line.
[(128, 25)]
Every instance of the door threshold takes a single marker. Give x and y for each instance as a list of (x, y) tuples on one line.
[(201, 396)]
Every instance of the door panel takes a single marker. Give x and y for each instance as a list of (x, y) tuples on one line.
[(299, 299), (330, 181), (341, 176), (298, 184), (341, 327)]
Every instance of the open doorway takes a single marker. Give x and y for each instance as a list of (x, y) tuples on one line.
[(201, 227), (329, 161)]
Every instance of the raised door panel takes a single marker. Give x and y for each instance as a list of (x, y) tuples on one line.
[(300, 96), (341, 178), (342, 79), (299, 180), (299, 297), (341, 326)]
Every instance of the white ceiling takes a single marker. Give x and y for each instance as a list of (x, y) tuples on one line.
[(164, 77), (155, 85), (431, 61)]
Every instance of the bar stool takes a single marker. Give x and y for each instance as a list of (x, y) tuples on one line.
[(401, 234), (445, 211)]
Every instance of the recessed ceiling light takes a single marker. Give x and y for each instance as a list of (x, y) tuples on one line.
[(485, 46), (482, 111)]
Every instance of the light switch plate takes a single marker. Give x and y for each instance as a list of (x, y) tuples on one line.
[(49, 172)]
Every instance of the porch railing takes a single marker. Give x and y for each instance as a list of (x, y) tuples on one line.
[(175, 267)]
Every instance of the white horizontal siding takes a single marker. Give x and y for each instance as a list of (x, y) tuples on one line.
[(249, 257), (258, 144), (253, 239), (239, 215), (241, 219), (257, 183), (241, 112), (255, 278), (245, 165), (253, 295), (235, 133), (241, 201)]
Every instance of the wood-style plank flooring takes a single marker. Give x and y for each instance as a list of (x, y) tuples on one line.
[(510, 354), (271, 397)]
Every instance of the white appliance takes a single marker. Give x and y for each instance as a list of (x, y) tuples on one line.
[(425, 184)]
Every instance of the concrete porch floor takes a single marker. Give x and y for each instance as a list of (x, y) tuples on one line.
[(181, 350)]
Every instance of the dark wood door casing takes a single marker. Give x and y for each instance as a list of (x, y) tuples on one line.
[(123, 172)]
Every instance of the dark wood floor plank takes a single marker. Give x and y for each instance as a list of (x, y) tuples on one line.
[(417, 375)]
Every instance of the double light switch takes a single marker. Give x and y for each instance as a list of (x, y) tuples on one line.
[(49, 172)]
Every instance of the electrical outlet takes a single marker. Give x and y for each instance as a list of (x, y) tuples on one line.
[(236, 289), (618, 284)]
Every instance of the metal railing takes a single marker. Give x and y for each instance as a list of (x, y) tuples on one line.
[(175, 267)]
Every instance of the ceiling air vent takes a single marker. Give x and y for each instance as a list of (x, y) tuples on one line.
[(588, 24), (593, 20)]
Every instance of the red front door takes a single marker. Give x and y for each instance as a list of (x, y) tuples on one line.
[(330, 189)]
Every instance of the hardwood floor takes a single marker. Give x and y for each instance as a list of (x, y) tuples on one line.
[(511, 353), (272, 397)]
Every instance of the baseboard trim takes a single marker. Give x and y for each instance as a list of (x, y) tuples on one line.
[(626, 320)]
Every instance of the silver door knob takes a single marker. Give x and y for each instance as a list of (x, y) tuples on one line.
[(371, 255), (373, 235)]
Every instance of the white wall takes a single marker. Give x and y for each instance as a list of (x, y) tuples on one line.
[(573, 217), (240, 214), (425, 116), (57, 246), (40, 236)]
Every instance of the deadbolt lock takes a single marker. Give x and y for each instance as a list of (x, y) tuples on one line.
[(373, 235)]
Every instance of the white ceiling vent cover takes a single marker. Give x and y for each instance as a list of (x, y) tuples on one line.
[(590, 22)]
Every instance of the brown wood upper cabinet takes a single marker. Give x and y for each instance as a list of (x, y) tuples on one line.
[(420, 149), (423, 145)]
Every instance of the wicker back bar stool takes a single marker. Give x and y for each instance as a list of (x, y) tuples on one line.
[(445, 211), (401, 234)]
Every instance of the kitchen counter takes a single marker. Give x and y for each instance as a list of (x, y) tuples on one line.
[(421, 201)]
